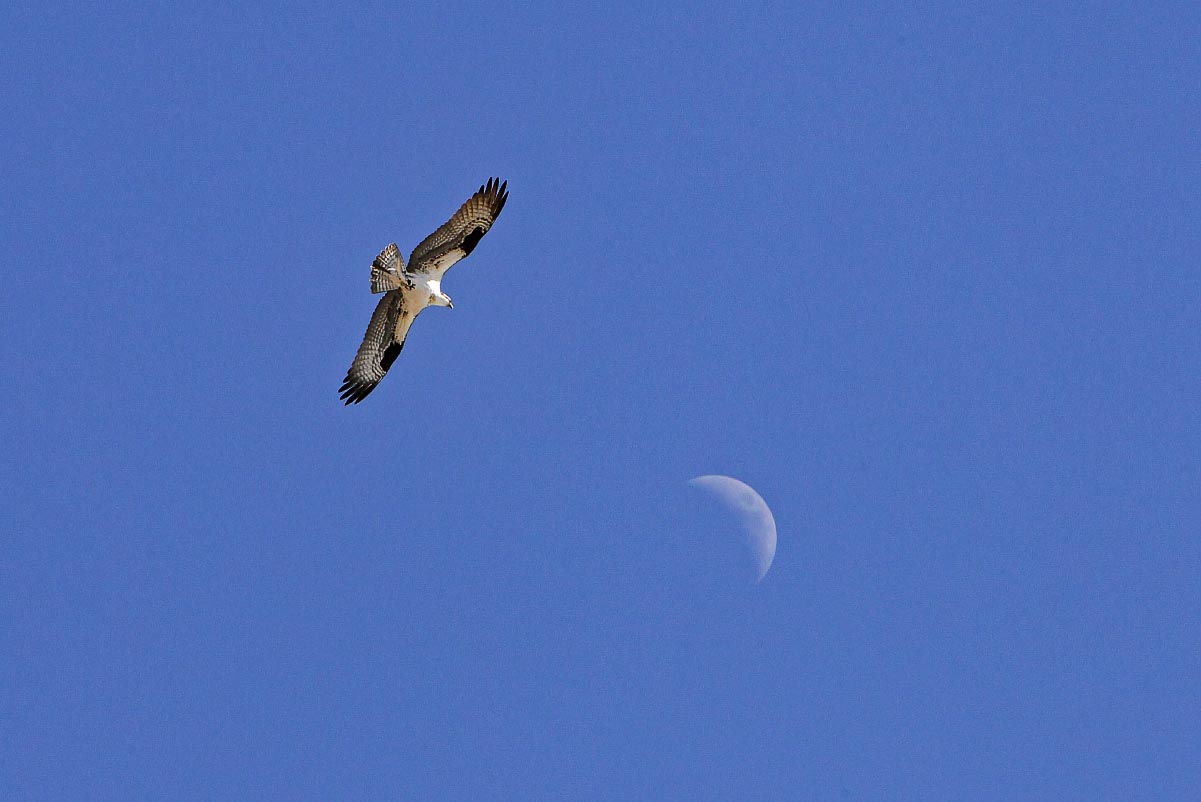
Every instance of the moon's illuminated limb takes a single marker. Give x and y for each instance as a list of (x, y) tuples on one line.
[(753, 513)]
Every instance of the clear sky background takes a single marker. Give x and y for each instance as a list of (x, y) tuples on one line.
[(924, 275)]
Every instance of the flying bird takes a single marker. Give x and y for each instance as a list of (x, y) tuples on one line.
[(408, 290)]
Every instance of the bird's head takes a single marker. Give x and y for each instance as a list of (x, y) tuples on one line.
[(441, 299)]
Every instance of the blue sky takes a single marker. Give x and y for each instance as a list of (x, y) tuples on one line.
[(924, 275)]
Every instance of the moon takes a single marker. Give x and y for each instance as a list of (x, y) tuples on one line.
[(754, 516)]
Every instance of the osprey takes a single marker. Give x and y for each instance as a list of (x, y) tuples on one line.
[(409, 290)]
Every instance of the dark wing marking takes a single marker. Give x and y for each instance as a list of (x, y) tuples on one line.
[(381, 345), (462, 232), (386, 270)]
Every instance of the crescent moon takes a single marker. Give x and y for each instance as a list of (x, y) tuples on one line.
[(758, 524)]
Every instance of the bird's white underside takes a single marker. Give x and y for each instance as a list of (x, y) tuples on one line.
[(427, 287)]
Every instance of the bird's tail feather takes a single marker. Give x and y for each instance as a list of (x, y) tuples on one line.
[(383, 281)]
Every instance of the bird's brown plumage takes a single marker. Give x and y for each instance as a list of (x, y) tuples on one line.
[(390, 323), (458, 236), (381, 345)]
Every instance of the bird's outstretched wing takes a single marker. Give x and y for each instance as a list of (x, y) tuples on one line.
[(459, 235), (386, 270), (381, 345)]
